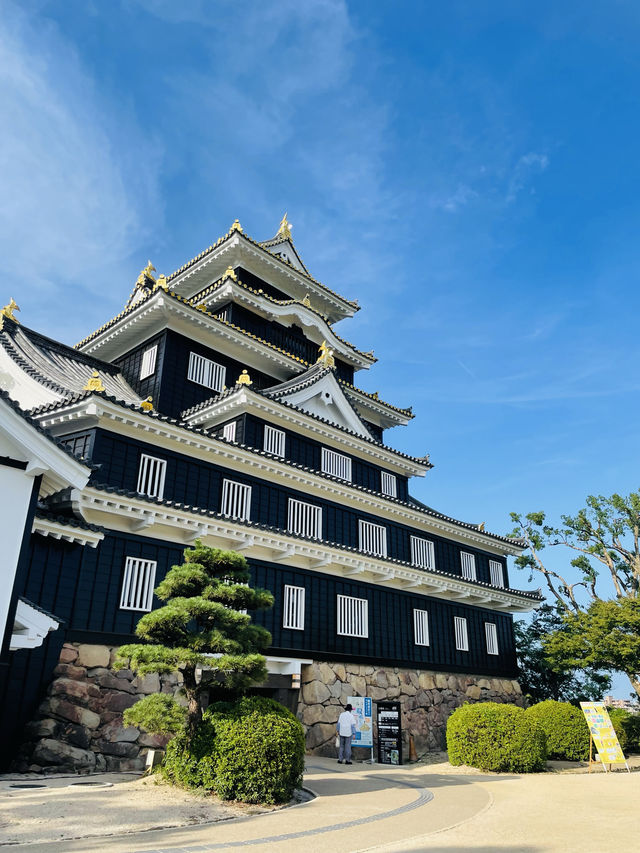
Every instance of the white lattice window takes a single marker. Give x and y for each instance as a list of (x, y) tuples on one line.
[(305, 519), (468, 563), (229, 431), (148, 365), (206, 372), (274, 440), (491, 633), (462, 634), (496, 572), (421, 627), (373, 538), (353, 616), (137, 584), (293, 608), (151, 476), (236, 500), (422, 553), (336, 463), (389, 484)]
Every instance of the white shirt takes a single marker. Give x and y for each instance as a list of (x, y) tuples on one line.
[(345, 722)]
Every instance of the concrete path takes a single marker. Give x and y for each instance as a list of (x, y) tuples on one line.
[(398, 810)]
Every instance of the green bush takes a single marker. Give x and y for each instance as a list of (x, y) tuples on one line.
[(565, 727), (250, 750), (495, 737), (627, 726)]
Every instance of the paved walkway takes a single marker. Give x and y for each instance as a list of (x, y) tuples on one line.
[(398, 810)]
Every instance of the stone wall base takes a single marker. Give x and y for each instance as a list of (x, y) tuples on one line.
[(427, 699), (79, 725)]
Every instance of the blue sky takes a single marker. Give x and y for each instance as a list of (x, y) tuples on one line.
[(469, 172)]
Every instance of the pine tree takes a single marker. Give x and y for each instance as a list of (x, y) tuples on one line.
[(202, 624)]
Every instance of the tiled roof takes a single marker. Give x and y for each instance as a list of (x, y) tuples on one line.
[(409, 504), (202, 294), (67, 521), (27, 416), (57, 367), (235, 389), (231, 231), (196, 510)]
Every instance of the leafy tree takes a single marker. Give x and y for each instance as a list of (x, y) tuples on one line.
[(202, 617), (538, 678), (597, 631)]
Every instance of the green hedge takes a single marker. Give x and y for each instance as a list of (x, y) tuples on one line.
[(495, 737), (627, 726), (250, 750), (565, 727)]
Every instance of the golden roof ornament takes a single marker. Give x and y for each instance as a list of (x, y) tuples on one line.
[(230, 273), (8, 310), (285, 228), (161, 283), (147, 405), (236, 226), (244, 379), (326, 358), (94, 383), (146, 276), (481, 527), (306, 301)]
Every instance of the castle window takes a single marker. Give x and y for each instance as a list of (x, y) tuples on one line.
[(206, 372), (229, 431), (462, 635), (468, 563), (422, 553), (236, 500), (389, 484), (305, 519), (497, 574), (273, 441), (336, 464), (353, 616), (421, 627), (293, 608), (137, 584), (148, 366), (373, 538), (491, 633), (151, 476)]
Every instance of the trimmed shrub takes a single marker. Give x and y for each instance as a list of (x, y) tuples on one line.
[(491, 736), (565, 727), (250, 750), (626, 725)]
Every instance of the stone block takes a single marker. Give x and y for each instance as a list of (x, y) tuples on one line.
[(120, 749), (336, 689), (73, 713), (82, 690), (340, 671), (320, 734), (315, 693), (110, 682), (68, 670), (484, 683), (406, 689), (91, 656), (97, 671), (68, 653), (441, 680), (41, 729), (381, 679), (147, 684), (378, 694), (153, 741), (393, 692), (115, 733), (326, 674), (507, 687), (452, 683), (426, 681), (393, 678), (118, 702), (359, 686), (127, 674), (54, 752), (516, 687), (473, 692), (76, 735)]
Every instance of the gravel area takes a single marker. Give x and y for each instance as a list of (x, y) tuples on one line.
[(103, 805)]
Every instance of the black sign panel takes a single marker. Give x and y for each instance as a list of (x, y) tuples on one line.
[(389, 720)]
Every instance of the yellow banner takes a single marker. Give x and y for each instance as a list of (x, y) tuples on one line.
[(603, 734)]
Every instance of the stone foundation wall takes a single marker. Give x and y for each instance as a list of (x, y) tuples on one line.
[(427, 698), (79, 725)]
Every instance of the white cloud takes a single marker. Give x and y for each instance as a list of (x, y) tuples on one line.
[(71, 206), (527, 166)]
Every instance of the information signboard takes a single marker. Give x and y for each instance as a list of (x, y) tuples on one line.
[(363, 712), (603, 735), (389, 720)]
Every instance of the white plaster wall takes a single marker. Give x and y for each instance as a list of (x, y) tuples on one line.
[(15, 495)]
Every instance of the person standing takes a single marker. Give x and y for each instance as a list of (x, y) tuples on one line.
[(345, 728)]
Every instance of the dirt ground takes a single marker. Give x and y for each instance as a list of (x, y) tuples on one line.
[(102, 805)]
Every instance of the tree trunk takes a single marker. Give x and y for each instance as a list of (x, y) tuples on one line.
[(194, 710), (634, 678)]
